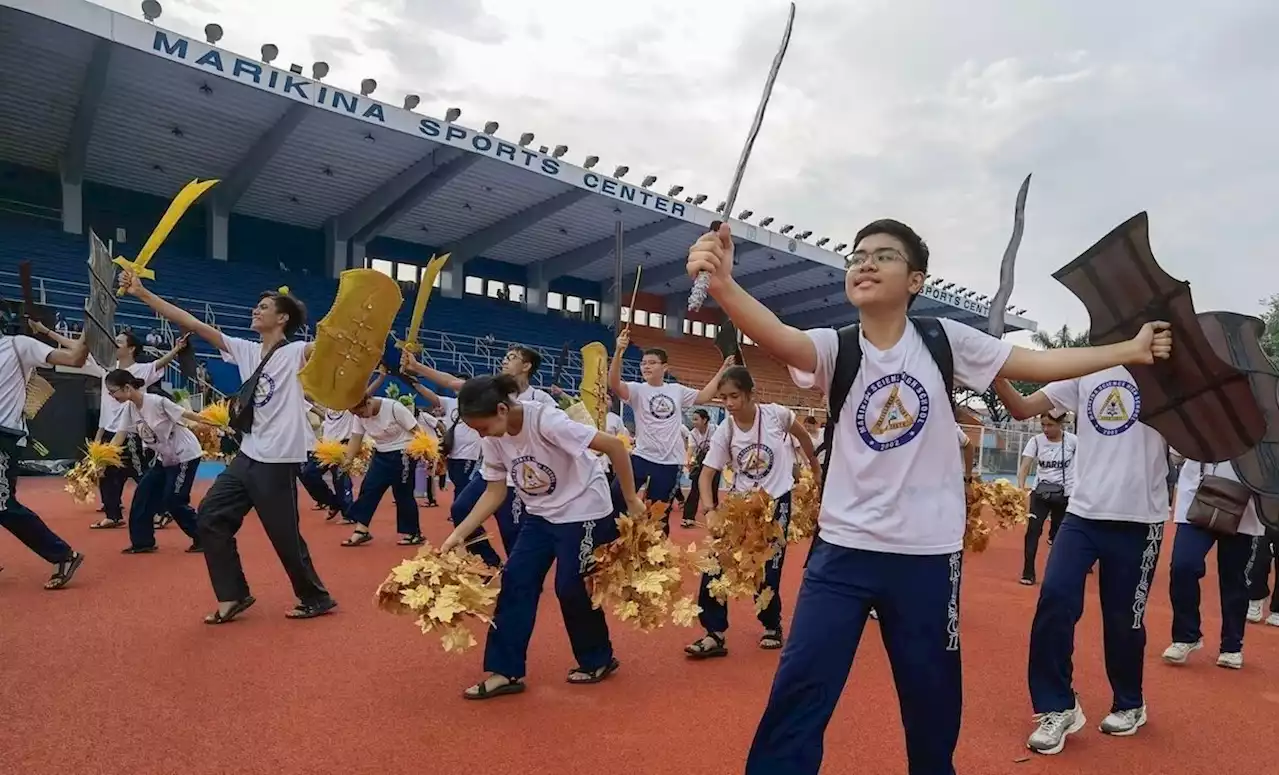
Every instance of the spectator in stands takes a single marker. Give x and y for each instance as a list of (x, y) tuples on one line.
[(520, 363), (891, 527), (570, 513), (19, 356), (262, 477), (60, 324), (659, 415)]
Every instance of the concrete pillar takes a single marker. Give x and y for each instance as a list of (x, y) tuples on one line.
[(72, 207), (217, 239)]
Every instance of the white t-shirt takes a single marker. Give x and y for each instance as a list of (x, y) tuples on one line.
[(896, 480), (466, 441), (30, 353), (659, 415), (1189, 482), (762, 455), (1121, 469), (159, 424), (430, 423), (701, 440), (281, 432), (556, 480), (613, 424), (1054, 459), (336, 425), (539, 395), (111, 413), (390, 428)]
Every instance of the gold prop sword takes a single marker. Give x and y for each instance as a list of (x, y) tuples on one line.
[(425, 286), (185, 198)]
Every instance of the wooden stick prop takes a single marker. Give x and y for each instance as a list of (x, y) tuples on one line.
[(635, 290), (699, 293), (185, 198)]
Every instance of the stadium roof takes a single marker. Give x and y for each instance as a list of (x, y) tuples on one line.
[(120, 101)]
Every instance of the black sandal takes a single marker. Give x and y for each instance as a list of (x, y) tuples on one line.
[(311, 610), (217, 617), (699, 649), (358, 538), (161, 522), (771, 640), (481, 691), (413, 540), (64, 571), (581, 675), (107, 524), (139, 549)]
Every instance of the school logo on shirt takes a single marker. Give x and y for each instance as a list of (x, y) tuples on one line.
[(900, 406), (661, 406), (1113, 407), (264, 391), (531, 477), (332, 415), (754, 461), (145, 433)]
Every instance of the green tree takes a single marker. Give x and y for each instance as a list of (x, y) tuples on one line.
[(1269, 333), (1061, 338)]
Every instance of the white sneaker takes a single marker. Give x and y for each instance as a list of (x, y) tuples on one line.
[(874, 615), (1274, 620), (1177, 653), (1231, 659), (1255, 610), (1122, 723), (1053, 727)]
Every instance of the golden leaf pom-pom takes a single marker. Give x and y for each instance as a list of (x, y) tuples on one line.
[(991, 506), (83, 478), (330, 452), (218, 413), (806, 502), (446, 592), (638, 574), (742, 535), (423, 446)]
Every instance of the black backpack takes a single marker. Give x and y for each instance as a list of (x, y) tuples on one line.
[(849, 360)]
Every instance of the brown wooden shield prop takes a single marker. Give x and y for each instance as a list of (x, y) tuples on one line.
[(1237, 339), (1203, 406)]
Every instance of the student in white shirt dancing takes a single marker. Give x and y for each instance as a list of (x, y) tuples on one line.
[(1051, 452), (165, 488), (520, 363), (1236, 555), (335, 425), (700, 441), (659, 415), (263, 476), (892, 520), (19, 356), (390, 425), (1119, 502), (758, 439), (568, 512)]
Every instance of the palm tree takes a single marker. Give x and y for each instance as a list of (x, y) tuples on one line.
[(1060, 339)]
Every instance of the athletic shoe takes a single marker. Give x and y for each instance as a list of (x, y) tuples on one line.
[(1274, 620), (1122, 723), (1052, 729), (1233, 660), (1255, 610), (1177, 653), (874, 615)]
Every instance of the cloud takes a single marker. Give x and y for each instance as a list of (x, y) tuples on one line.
[(929, 112)]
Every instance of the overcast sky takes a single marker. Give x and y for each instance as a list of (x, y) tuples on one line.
[(928, 111)]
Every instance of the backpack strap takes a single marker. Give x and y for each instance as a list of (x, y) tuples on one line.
[(939, 346), (848, 361)]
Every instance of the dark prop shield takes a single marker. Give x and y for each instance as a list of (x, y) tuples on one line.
[(727, 342), (1237, 340), (1203, 406)]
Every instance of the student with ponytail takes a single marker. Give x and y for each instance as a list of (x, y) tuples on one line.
[(568, 512), (756, 439), (165, 487)]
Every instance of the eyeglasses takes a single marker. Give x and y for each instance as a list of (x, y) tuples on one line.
[(882, 257)]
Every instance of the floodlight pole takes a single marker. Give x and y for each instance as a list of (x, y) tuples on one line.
[(617, 278)]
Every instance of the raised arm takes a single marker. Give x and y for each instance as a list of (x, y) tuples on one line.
[(616, 384), (1021, 407), (409, 363), (708, 393), (164, 360), (713, 253), (1153, 342), (427, 393), (41, 328), (73, 357), (171, 312)]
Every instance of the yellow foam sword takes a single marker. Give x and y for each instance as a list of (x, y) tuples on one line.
[(425, 285), (177, 208)]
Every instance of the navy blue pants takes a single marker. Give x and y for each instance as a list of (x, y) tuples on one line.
[(917, 598), (715, 615), (163, 490), (392, 470), (1127, 554), (508, 516), (659, 481), (569, 547), (1236, 554), (339, 498), (459, 472), (136, 459), (24, 523)]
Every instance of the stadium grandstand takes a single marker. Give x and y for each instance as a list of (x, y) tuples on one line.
[(105, 117)]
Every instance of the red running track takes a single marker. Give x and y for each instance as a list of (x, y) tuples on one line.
[(117, 674)]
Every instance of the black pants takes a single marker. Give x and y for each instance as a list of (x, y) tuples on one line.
[(1051, 507), (695, 491), (25, 525), (137, 460), (1264, 562), (271, 490)]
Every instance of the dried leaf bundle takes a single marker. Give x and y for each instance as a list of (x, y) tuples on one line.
[(424, 446), (444, 591), (638, 574), (742, 535), (83, 478), (1005, 504), (806, 501)]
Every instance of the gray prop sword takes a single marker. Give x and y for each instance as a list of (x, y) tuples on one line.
[(995, 319), (699, 293)]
